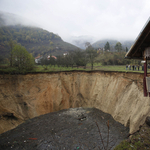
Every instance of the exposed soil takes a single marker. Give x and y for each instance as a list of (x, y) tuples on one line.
[(71, 129)]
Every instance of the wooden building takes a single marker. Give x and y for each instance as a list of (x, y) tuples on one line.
[(141, 50)]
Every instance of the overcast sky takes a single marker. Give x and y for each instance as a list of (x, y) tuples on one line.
[(121, 19)]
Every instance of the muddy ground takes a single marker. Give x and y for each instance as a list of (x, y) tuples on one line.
[(71, 129)]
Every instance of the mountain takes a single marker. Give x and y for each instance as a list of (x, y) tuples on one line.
[(112, 43), (80, 41), (34, 39), (127, 43), (101, 43)]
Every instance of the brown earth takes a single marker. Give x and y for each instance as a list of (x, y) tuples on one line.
[(26, 96)]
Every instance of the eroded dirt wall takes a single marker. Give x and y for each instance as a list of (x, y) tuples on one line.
[(27, 96)]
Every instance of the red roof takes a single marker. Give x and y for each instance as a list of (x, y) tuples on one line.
[(37, 57), (54, 57)]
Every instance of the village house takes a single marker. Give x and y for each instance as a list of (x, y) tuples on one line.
[(141, 50), (48, 57), (38, 59), (65, 54)]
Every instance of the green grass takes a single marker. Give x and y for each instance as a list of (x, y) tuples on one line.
[(97, 66), (121, 68), (117, 68), (40, 68), (138, 141)]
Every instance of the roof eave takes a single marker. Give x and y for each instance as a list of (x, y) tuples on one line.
[(137, 40)]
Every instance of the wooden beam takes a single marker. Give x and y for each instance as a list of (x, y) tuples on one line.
[(141, 43), (144, 80)]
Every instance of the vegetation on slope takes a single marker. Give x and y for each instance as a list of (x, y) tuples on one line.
[(112, 44), (138, 141), (35, 40), (88, 59)]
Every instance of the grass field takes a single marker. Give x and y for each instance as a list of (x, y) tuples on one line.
[(117, 68), (97, 66)]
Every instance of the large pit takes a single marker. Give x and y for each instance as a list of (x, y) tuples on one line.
[(26, 96)]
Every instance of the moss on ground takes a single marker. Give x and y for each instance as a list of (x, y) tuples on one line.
[(138, 141)]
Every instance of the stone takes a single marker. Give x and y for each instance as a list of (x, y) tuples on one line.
[(147, 120)]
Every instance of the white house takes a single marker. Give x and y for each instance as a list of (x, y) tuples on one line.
[(38, 59)]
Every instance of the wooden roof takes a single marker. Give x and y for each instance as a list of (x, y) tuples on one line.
[(142, 41)]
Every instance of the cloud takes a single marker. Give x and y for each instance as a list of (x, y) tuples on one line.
[(102, 19)]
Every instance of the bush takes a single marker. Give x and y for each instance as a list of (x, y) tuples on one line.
[(22, 59)]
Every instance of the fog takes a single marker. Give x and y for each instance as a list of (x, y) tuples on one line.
[(71, 19)]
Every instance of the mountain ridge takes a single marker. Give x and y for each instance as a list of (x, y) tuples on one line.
[(112, 43), (81, 40), (36, 40)]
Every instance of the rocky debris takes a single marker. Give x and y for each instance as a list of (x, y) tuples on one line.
[(70, 129), (81, 117), (147, 120), (8, 116)]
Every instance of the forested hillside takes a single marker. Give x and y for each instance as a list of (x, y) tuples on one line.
[(112, 43), (35, 40)]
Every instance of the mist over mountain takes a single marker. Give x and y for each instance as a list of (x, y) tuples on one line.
[(127, 43), (80, 41), (36, 40), (39, 41), (7, 19), (112, 43)]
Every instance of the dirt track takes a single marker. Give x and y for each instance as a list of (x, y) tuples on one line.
[(70, 129)]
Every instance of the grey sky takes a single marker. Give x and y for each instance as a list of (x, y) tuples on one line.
[(121, 19)]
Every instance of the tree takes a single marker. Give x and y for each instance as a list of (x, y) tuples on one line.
[(80, 58), (113, 58), (51, 43), (69, 59), (59, 61), (118, 46), (1, 59), (126, 49), (92, 53), (52, 61), (45, 62), (87, 44), (11, 44), (21, 58), (107, 46)]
